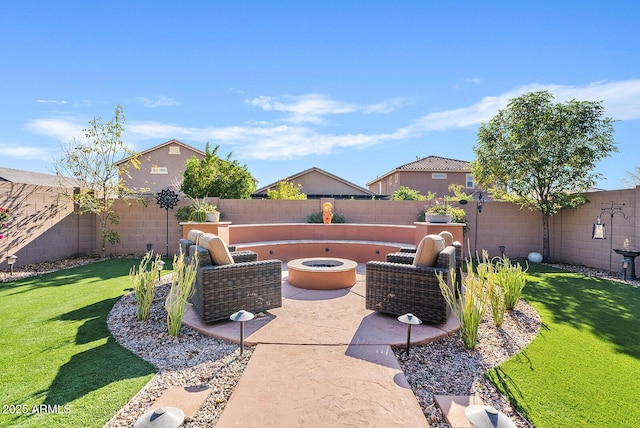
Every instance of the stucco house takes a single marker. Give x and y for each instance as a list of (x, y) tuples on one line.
[(160, 166), (317, 183), (430, 174)]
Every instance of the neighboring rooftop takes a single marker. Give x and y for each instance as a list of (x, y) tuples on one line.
[(317, 183), (35, 178), (436, 163)]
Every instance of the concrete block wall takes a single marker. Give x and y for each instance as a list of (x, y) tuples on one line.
[(43, 228), (42, 225)]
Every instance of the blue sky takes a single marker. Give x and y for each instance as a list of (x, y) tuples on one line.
[(355, 88)]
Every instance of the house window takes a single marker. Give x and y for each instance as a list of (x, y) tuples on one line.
[(439, 175), (159, 170), (396, 177), (390, 181), (174, 150), (469, 181)]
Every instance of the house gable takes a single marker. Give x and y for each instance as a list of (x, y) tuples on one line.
[(161, 166), (430, 174), (317, 183)]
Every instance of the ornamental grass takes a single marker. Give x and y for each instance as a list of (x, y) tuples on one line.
[(469, 308), (182, 281), (511, 279), (143, 281)]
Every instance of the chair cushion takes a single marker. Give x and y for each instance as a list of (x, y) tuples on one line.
[(218, 250), (448, 237), (194, 234), (428, 250)]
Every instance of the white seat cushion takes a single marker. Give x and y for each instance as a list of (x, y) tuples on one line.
[(428, 250), (448, 237), (218, 250), (194, 234)]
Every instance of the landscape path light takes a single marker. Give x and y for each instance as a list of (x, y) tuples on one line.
[(410, 320), (162, 417), (242, 316), (149, 247), (487, 417), (160, 267), (11, 260)]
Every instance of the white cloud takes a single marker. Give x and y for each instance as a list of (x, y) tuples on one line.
[(161, 101), (621, 100), (25, 152), (311, 108), (299, 133), (61, 129), (61, 102)]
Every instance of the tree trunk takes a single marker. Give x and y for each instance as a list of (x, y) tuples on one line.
[(545, 238)]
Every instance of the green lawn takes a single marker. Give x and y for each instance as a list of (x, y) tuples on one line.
[(583, 369), (59, 363)]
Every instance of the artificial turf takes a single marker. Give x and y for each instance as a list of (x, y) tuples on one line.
[(60, 367), (582, 369)]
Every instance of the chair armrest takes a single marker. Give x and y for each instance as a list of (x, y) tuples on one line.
[(244, 256), (401, 257)]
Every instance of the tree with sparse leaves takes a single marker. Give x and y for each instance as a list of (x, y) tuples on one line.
[(542, 155), (213, 176), (287, 190), (90, 162), (633, 177)]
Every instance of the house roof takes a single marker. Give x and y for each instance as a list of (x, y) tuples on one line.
[(35, 178), (430, 163), (159, 146), (357, 190)]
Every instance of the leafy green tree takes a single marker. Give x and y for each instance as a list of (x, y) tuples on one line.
[(542, 155), (213, 176), (405, 193), (90, 161), (286, 190)]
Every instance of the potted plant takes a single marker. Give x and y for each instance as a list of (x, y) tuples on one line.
[(438, 213), (203, 211)]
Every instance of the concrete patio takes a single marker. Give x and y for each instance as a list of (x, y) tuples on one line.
[(322, 359)]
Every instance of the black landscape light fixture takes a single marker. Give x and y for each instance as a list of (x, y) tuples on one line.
[(160, 267), (149, 247), (11, 260), (479, 206), (241, 316), (410, 320), (502, 248)]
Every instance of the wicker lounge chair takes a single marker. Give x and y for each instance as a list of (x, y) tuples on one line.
[(227, 282), (399, 288), (406, 255)]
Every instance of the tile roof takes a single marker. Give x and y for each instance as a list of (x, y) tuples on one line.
[(436, 163)]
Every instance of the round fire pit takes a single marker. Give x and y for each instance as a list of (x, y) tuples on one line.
[(321, 273)]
